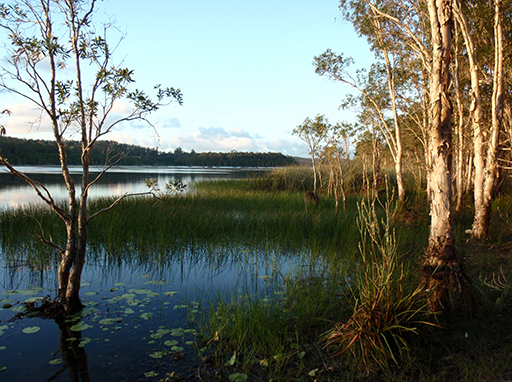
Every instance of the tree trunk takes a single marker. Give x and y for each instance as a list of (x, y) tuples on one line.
[(441, 266), (487, 176), (314, 171)]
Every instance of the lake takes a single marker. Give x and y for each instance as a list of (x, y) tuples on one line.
[(14, 192), (140, 320)]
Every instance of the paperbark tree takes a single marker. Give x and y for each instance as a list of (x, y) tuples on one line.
[(441, 265), (486, 170), (48, 40), (313, 133)]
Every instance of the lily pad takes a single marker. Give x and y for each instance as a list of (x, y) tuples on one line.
[(146, 315), (150, 374), (10, 292), (107, 321), (171, 343), (154, 282), (31, 329), (80, 326), (177, 332), (3, 347), (33, 299), (158, 354), (170, 293), (55, 361), (3, 368)]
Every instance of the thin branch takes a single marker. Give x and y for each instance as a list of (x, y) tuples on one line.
[(116, 202)]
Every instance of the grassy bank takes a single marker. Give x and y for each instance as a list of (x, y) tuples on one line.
[(353, 313)]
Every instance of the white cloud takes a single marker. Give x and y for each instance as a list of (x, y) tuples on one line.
[(25, 118), (218, 139)]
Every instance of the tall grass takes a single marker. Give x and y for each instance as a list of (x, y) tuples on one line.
[(387, 307)]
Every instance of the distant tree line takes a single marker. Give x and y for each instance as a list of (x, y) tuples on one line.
[(41, 152)]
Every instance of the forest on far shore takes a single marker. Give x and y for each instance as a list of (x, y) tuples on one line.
[(42, 152)]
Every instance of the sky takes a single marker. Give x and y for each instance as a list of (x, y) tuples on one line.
[(244, 68)]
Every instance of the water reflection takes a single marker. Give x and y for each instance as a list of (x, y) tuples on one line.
[(137, 309), (117, 181), (73, 355)]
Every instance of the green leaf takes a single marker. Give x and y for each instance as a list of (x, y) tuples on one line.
[(232, 360), (31, 329), (238, 377), (80, 326), (107, 321)]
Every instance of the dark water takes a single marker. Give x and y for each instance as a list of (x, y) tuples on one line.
[(141, 319)]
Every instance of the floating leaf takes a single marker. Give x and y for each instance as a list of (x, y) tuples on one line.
[(85, 284), (238, 377), (170, 293), (150, 374), (55, 361), (3, 368), (158, 354), (31, 329), (119, 284), (28, 292), (177, 332), (129, 311), (84, 341), (90, 293), (153, 282), (107, 321), (170, 343), (33, 299), (3, 347), (146, 316), (80, 326), (20, 308)]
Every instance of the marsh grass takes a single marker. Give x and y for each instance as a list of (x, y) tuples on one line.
[(358, 295)]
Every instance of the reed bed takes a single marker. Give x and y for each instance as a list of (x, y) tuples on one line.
[(277, 333)]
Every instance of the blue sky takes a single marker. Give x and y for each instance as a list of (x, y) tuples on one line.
[(244, 68)]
